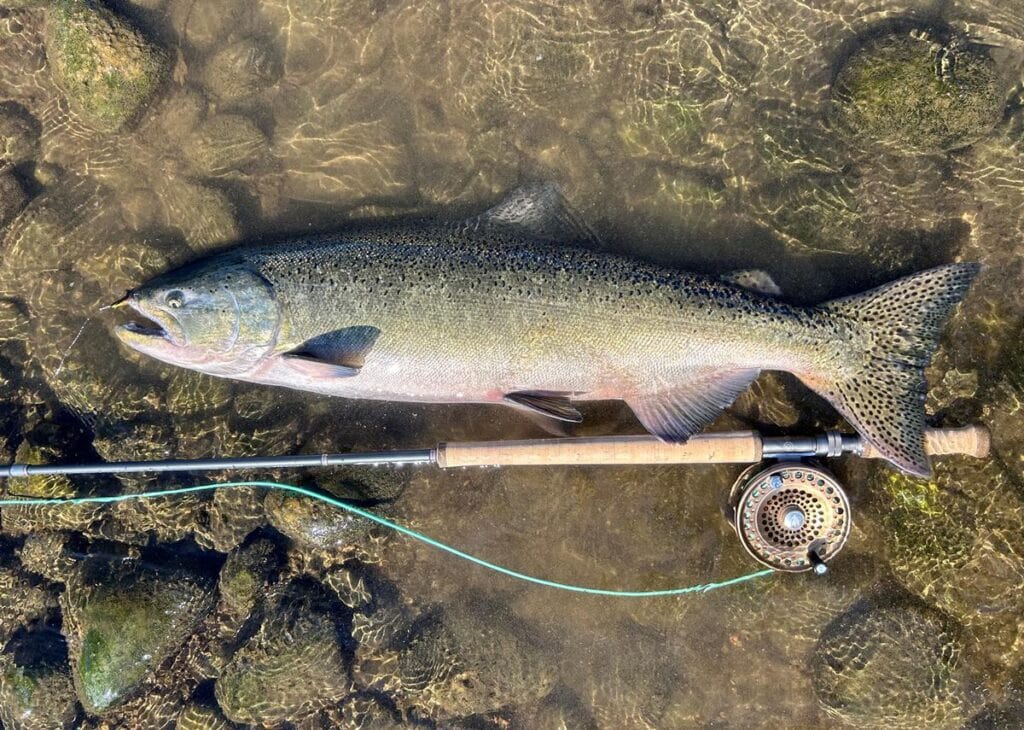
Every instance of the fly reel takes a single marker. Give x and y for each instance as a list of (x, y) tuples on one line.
[(791, 516)]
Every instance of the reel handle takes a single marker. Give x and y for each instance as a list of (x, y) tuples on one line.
[(736, 447), (968, 440)]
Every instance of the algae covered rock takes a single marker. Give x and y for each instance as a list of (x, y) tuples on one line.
[(891, 666), (40, 485), (314, 524), (912, 90), (123, 621), (245, 575), (48, 554), (36, 692), (955, 541), (108, 69), (292, 667)]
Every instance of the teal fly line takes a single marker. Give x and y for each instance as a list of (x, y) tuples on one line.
[(339, 504)]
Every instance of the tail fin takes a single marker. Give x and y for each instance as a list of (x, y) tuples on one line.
[(899, 324)]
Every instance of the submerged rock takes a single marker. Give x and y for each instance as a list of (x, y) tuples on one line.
[(241, 70), (245, 576), (40, 486), (891, 666), (47, 554), (230, 516), (224, 143), (22, 599), (314, 524), (202, 717), (19, 135), (955, 541), (12, 196), (123, 621), (204, 215), (36, 692), (292, 667), (108, 69), (908, 89), (446, 665)]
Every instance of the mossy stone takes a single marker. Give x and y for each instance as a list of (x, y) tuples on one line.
[(40, 486), (245, 575), (314, 524), (126, 622), (108, 69), (919, 94)]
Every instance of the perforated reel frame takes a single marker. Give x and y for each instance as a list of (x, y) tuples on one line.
[(784, 510)]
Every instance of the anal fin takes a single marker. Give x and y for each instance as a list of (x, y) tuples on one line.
[(552, 405), (676, 413)]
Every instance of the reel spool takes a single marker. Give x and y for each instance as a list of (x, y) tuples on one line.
[(790, 516)]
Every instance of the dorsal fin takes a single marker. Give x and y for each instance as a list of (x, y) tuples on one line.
[(538, 210)]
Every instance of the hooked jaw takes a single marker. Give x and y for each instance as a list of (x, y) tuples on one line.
[(156, 334)]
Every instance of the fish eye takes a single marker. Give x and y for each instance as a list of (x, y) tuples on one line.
[(174, 298)]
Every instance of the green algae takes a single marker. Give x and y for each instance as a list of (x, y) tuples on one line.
[(245, 574), (955, 542), (127, 625), (909, 91), (109, 70)]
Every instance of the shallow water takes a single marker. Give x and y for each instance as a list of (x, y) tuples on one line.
[(710, 135)]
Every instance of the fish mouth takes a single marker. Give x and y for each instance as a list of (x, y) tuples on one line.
[(147, 329)]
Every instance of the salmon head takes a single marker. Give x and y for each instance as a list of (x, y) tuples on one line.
[(218, 317)]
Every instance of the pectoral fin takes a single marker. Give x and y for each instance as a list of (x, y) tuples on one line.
[(538, 210), (313, 368), (337, 354), (677, 413), (552, 405)]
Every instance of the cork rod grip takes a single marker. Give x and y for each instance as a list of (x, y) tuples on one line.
[(737, 447), (968, 440)]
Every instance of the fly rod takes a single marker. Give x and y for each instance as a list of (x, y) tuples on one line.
[(734, 447)]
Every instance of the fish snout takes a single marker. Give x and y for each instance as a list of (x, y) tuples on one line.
[(125, 301)]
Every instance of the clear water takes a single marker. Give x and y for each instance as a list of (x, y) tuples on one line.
[(704, 134)]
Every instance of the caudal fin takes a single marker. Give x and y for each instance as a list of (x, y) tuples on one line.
[(899, 326)]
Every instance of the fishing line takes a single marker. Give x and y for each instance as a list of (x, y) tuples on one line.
[(64, 357), (339, 504)]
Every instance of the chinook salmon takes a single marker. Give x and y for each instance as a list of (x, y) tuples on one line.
[(490, 311)]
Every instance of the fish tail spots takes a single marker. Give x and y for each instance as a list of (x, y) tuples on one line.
[(899, 325)]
